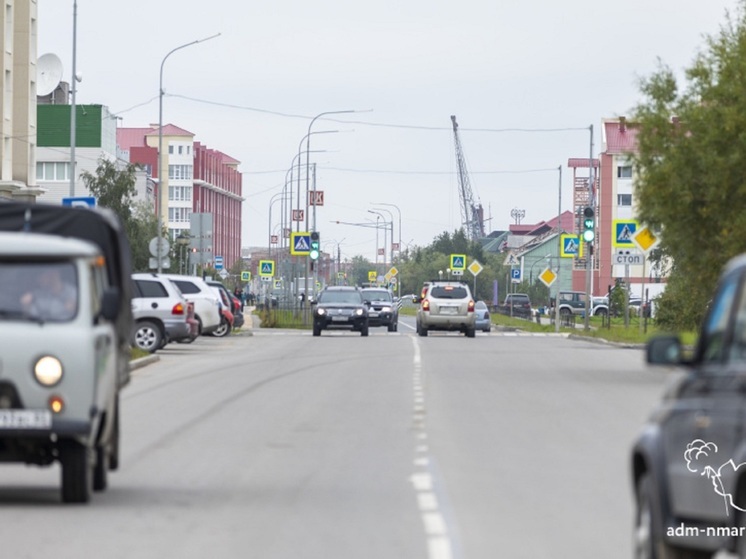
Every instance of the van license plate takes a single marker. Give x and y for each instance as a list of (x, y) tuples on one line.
[(25, 419)]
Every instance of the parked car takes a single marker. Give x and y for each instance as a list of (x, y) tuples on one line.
[(234, 304), (448, 306), (689, 462), (159, 310), (206, 302), (383, 308), (517, 304), (483, 322), (340, 307), (227, 318)]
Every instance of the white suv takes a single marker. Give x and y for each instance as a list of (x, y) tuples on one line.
[(448, 305), (206, 302)]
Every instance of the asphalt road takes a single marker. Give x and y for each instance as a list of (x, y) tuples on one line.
[(280, 445)]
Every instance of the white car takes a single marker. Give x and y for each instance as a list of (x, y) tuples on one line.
[(206, 302)]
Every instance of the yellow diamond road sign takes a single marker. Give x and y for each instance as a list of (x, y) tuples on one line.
[(393, 271), (645, 239), (548, 277), (475, 267)]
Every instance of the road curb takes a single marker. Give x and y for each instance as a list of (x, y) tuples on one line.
[(143, 362)]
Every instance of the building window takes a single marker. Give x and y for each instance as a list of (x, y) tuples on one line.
[(171, 149), (180, 193), (181, 150), (624, 171), (189, 150), (179, 215), (52, 171), (180, 172), (624, 200)]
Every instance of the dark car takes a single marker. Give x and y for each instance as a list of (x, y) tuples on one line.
[(689, 463), (383, 308), (517, 304), (340, 307), (236, 307)]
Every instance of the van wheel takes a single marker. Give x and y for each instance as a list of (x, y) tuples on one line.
[(114, 456), (101, 469), (148, 336), (77, 472)]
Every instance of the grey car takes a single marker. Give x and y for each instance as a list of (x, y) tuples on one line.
[(689, 463), (484, 321), (160, 312), (383, 308), (448, 305)]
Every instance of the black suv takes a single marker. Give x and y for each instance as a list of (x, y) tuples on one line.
[(689, 463), (383, 308), (517, 304), (340, 307)]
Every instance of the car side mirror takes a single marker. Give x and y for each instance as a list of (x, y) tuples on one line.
[(664, 350), (416, 299)]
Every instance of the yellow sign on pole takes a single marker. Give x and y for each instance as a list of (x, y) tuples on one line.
[(645, 239), (372, 275)]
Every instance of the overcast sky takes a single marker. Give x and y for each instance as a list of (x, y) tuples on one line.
[(410, 64)]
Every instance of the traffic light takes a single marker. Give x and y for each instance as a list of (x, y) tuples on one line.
[(315, 246), (589, 225)]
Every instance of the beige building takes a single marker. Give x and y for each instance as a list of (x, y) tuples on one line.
[(18, 100)]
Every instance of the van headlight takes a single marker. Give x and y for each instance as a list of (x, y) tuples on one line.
[(48, 370)]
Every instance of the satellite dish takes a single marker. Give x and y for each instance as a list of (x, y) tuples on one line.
[(48, 74)]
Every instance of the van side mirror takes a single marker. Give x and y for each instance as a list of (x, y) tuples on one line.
[(110, 303)]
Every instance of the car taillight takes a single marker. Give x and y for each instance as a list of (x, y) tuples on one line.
[(487, 315), (178, 309), (471, 306), (426, 305)]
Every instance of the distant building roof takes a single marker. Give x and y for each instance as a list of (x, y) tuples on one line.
[(619, 136), (170, 130)]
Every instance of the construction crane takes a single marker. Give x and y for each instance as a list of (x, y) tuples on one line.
[(472, 215)]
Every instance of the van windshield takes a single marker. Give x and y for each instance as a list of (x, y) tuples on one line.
[(45, 291)]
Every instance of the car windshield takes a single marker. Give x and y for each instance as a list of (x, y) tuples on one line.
[(343, 297), (45, 291), (448, 292), (481, 305), (377, 295)]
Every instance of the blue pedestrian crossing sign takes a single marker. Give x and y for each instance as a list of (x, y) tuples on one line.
[(266, 268), (458, 262), (571, 246), (623, 233), (515, 275), (300, 243)]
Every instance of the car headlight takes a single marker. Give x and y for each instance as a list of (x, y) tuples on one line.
[(48, 370), (320, 312), (359, 312), (386, 309)]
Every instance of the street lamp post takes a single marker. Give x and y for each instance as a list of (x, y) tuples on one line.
[(163, 193), (385, 226), (392, 227)]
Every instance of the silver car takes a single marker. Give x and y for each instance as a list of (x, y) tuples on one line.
[(448, 305), (160, 312)]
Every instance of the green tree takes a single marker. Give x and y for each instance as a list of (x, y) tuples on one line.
[(113, 185), (690, 162)]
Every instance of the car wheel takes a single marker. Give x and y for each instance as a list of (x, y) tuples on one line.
[(471, 332), (76, 472), (148, 336), (316, 330), (647, 538), (199, 324), (564, 312), (364, 330), (392, 327), (223, 330), (421, 330), (602, 312)]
